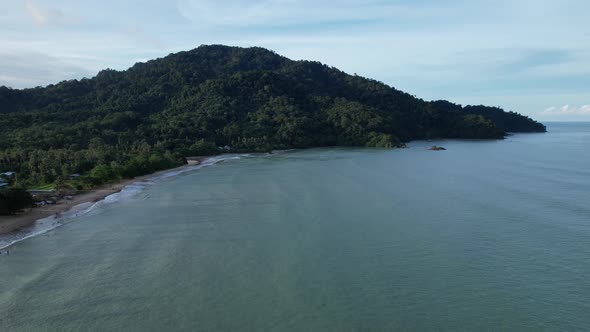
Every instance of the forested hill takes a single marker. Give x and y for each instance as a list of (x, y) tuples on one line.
[(189, 103)]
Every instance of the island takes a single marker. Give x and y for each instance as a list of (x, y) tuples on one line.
[(77, 135)]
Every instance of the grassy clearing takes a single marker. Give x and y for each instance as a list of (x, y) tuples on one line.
[(50, 186)]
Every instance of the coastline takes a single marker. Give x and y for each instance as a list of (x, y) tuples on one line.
[(9, 224)]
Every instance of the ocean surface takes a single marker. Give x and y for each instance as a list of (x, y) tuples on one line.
[(488, 235)]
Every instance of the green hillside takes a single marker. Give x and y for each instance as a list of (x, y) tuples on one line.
[(151, 116)]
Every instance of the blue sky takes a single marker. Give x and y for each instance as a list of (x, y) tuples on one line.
[(529, 56)]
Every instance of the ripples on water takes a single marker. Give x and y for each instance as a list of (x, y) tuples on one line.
[(47, 224), (488, 235)]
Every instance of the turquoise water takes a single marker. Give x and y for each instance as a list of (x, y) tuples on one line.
[(487, 235)]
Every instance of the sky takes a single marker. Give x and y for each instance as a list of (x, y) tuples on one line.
[(531, 57)]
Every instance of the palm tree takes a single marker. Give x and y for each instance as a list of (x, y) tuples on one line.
[(60, 185)]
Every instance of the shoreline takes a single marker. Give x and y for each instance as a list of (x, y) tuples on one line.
[(9, 224)]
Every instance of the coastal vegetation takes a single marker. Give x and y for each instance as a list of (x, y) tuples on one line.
[(13, 200), (122, 124)]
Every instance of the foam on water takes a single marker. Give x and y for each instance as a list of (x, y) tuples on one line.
[(44, 225)]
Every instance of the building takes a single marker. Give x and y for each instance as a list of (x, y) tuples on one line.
[(8, 175), (42, 195), (41, 192)]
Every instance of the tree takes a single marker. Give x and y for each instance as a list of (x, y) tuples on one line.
[(60, 184), (154, 114), (101, 174), (13, 200), (203, 148)]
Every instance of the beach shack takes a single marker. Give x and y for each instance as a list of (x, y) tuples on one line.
[(43, 195), (7, 177), (41, 192)]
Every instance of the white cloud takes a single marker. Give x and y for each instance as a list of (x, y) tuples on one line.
[(567, 110), (16, 70), (239, 13), (36, 13), (42, 16), (499, 52)]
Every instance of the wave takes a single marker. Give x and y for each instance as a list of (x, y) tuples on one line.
[(44, 225)]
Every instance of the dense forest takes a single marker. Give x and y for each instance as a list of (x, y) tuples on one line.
[(151, 116)]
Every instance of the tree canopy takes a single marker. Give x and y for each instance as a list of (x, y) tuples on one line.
[(151, 116), (13, 200)]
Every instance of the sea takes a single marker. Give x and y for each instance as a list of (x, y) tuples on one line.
[(487, 235)]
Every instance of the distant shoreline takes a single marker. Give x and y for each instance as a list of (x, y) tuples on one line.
[(10, 224)]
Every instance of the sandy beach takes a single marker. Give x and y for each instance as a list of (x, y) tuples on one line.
[(12, 223)]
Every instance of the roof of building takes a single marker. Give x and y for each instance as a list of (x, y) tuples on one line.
[(37, 191)]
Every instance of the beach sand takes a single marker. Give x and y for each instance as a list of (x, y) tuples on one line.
[(12, 223)]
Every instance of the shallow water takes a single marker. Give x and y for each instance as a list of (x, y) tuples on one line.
[(486, 235)]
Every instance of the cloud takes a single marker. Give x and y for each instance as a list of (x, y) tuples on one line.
[(500, 52), (567, 110), (16, 70), (139, 34), (44, 16), (532, 59), (280, 13)]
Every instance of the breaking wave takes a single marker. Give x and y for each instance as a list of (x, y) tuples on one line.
[(44, 225)]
